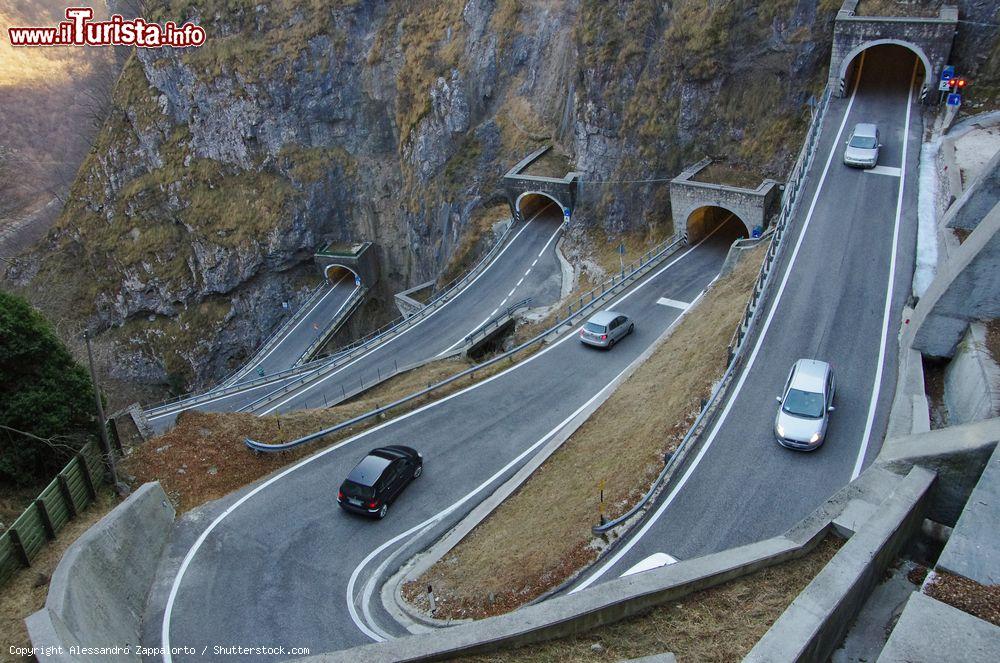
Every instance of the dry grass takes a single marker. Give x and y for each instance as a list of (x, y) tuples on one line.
[(622, 444), (204, 458), (25, 592), (718, 624), (723, 173), (926, 8)]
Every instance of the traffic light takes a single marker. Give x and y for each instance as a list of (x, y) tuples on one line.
[(960, 83), (957, 84)]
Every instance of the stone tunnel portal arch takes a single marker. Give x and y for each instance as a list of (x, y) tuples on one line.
[(340, 273), (545, 205), (880, 51), (703, 220)]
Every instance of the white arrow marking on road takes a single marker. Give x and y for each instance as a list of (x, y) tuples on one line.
[(885, 170), (663, 301), (654, 561)]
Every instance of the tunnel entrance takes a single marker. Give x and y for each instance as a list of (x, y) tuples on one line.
[(340, 274), (703, 220), (536, 203), (885, 63)]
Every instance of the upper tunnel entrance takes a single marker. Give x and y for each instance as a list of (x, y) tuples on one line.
[(886, 64), (704, 221), (533, 204)]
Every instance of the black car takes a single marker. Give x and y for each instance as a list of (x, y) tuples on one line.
[(378, 479)]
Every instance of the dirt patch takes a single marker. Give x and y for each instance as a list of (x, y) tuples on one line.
[(718, 624), (993, 339), (14, 500), (981, 601), (934, 387), (26, 591), (622, 444)]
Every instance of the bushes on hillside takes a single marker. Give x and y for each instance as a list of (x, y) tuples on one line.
[(46, 398)]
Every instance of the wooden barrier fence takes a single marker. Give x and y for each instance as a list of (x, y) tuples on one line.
[(72, 491)]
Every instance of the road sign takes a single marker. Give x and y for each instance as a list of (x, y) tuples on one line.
[(944, 85), (357, 281), (621, 249), (948, 73), (566, 213), (954, 99)]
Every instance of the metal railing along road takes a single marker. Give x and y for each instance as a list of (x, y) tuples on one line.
[(366, 342), (788, 206), (356, 298), (642, 267), (358, 348), (488, 327)]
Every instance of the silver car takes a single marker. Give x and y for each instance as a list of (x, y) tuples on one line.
[(862, 147), (606, 328), (806, 404)]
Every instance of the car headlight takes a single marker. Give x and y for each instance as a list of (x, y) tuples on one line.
[(815, 438), (780, 430)]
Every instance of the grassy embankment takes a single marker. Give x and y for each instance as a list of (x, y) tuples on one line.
[(622, 444), (712, 626)]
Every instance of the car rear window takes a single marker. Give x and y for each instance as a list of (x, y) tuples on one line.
[(863, 142), (597, 329), (352, 489), (804, 403)]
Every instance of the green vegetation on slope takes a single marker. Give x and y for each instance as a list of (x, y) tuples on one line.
[(44, 394)]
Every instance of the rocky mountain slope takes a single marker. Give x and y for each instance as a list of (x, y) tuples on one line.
[(222, 168)]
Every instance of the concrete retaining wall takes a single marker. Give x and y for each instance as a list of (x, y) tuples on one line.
[(98, 591), (816, 621), (972, 380), (957, 454)]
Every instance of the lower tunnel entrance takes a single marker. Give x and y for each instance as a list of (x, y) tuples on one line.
[(541, 205), (338, 274), (704, 220)]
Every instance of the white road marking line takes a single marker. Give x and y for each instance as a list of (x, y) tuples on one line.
[(512, 291), (276, 384), (627, 546), (519, 282), (186, 562), (494, 312), (654, 561), (887, 311), (528, 272), (664, 301), (887, 170), (309, 388), (534, 262)]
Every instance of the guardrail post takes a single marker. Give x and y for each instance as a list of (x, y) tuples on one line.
[(22, 554), (67, 495), (87, 479), (43, 515)]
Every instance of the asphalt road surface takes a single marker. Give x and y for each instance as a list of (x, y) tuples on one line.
[(278, 564), (855, 252), (527, 267)]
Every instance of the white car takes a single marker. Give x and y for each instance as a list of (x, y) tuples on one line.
[(806, 404), (863, 146)]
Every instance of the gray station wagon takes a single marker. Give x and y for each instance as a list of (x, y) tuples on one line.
[(806, 403), (863, 146), (606, 328)]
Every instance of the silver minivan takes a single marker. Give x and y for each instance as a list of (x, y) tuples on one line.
[(606, 328), (863, 146), (806, 404)]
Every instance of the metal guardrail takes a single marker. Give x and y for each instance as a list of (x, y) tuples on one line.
[(492, 324), (789, 199), (386, 332), (366, 342), (357, 297), (267, 345), (644, 266)]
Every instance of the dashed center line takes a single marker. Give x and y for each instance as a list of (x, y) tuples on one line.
[(663, 301)]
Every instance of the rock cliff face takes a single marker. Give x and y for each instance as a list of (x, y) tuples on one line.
[(222, 168)]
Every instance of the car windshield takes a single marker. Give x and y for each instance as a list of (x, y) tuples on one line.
[(863, 142), (803, 403), (597, 329)]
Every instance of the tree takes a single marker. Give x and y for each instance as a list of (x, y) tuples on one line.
[(46, 397)]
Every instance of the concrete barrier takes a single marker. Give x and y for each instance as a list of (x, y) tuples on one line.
[(957, 454), (816, 621), (98, 591)]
